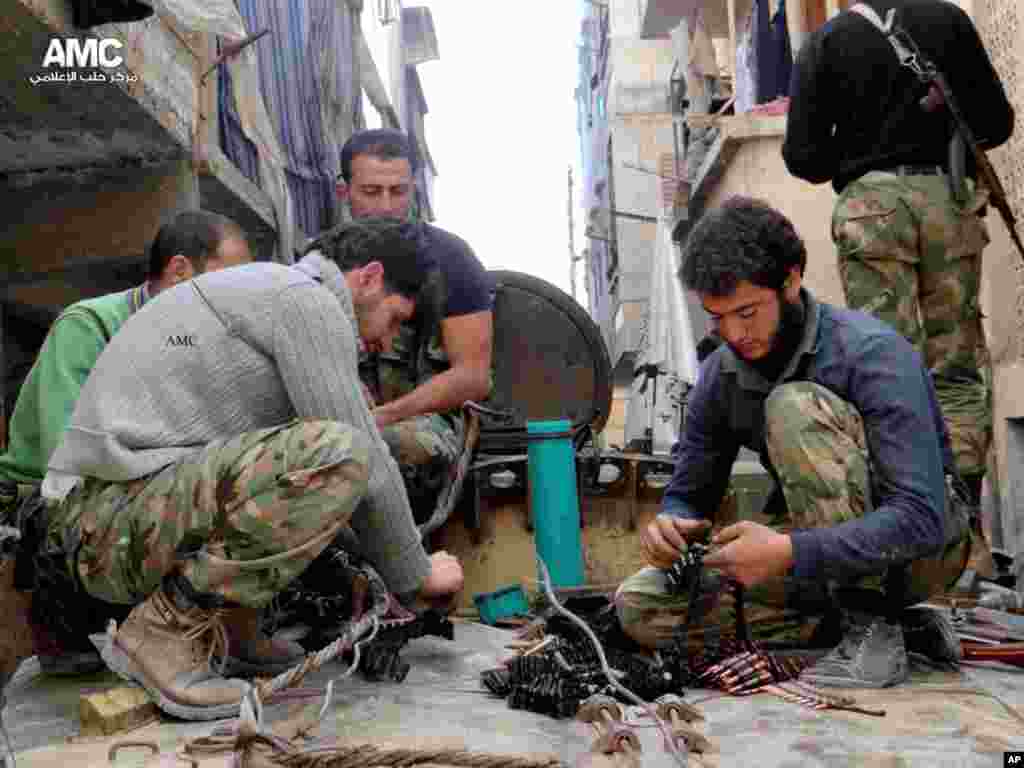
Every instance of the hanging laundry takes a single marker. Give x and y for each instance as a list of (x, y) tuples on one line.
[(312, 95), (701, 65), (774, 57), (745, 82), (91, 13), (781, 51)]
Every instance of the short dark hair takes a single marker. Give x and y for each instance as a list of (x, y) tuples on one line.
[(743, 239), (194, 234), (400, 246), (706, 346), (385, 143)]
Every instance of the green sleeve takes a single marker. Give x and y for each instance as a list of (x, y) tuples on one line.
[(71, 349)]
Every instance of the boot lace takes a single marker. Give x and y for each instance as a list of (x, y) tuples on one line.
[(202, 627), (210, 631)]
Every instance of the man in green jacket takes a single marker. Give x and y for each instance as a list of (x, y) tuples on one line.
[(192, 243)]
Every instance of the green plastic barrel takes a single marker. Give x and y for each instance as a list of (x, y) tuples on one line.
[(555, 501)]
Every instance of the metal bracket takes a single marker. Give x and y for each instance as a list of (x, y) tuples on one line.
[(232, 49)]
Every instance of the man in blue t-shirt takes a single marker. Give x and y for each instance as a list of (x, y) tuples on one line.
[(420, 385)]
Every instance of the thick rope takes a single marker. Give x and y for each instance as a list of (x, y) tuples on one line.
[(252, 742), (360, 756), (349, 638)]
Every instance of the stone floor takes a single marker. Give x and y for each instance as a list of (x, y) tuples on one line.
[(938, 719)]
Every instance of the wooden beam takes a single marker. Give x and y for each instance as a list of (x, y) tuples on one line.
[(225, 190), (731, 6), (207, 124)]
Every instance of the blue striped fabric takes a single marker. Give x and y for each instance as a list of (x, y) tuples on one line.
[(307, 75)]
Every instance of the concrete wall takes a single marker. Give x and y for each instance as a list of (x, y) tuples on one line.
[(89, 170), (1001, 26), (757, 170), (63, 125)]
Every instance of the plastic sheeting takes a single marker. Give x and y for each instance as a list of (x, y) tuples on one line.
[(668, 346), (221, 17), (670, 340), (593, 128)]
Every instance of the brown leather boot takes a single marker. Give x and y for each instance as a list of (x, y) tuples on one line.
[(168, 646), (251, 651), (16, 637)]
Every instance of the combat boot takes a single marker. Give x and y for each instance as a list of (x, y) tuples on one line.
[(872, 654), (168, 645), (56, 660), (251, 651), (931, 634)]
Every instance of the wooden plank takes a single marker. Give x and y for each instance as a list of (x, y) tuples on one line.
[(207, 124), (732, 39), (503, 554)]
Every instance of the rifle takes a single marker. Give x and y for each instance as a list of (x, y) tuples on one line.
[(910, 56)]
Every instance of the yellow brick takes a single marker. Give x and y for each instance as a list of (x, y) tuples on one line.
[(105, 713)]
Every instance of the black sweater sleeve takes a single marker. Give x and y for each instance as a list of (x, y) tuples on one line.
[(809, 150), (976, 86)]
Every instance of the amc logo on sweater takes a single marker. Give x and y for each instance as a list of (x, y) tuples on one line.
[(181, 340)]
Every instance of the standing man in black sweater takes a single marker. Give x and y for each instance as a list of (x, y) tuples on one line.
[(909, 235)]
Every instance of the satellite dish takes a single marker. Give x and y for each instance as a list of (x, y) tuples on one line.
[(550, 362)]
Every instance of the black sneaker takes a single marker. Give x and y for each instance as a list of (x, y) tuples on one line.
[(931, 634), (872, 654)]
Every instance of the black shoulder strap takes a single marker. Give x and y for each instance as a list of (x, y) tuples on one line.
[(909, 55)]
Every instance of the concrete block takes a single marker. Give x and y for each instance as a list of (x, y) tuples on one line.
[(117, 710)]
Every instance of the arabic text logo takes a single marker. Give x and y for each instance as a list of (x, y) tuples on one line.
[(84, 77), (74, 60)]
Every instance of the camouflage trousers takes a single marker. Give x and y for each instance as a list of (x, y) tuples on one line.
[(817, 445), (240, 519), (911, 255), (425, 448)]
